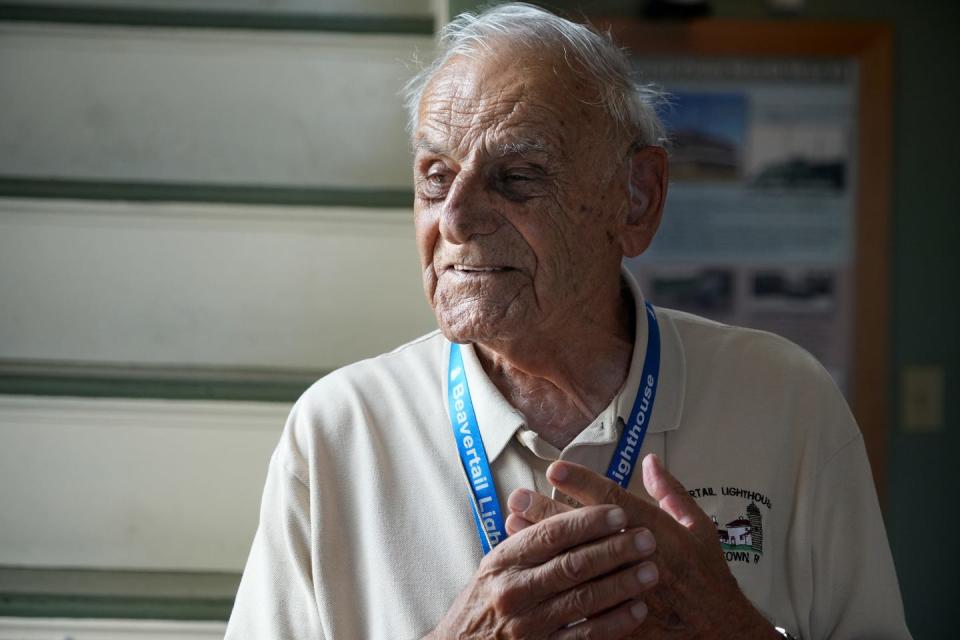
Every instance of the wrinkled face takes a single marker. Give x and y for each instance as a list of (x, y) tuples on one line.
[(520, 199)]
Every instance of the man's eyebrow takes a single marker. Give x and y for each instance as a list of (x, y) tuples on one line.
[(422, 144), (521, 147)]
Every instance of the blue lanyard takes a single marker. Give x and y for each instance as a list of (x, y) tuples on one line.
[(487, 514)]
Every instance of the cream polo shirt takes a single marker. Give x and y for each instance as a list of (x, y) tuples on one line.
[(366, 528)]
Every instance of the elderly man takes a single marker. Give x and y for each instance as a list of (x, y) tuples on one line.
[(515, 475)]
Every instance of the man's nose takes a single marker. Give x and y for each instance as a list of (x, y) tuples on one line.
[(468, 209)]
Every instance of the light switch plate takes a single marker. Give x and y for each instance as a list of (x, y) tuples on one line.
[(922, 398)]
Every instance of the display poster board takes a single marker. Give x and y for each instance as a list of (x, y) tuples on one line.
[(759, 220), (777, 215)]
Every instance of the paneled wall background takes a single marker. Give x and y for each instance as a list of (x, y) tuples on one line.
[(204, 205), (196, 221)]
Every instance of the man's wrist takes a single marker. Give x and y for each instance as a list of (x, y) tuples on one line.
[(752, 623)]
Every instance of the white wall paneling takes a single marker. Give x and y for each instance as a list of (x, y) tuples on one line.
[(162, 485), (205, 106), (206, 285), (132, 484), (61, 629)]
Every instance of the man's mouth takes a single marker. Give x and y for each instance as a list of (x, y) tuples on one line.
[(464, 268)]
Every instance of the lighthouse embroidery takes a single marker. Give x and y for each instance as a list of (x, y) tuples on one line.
[(741, 539), (743, 534)]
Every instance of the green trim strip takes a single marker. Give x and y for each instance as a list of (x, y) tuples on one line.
[(43, 378), (92, 593), (212, 19), (165, 389), (73, 606), (159, 383), (12, 187)]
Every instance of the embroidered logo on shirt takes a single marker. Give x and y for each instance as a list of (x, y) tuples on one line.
[(741, 534)]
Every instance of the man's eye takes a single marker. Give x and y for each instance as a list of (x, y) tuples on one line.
[(435, 184), (520, 184)]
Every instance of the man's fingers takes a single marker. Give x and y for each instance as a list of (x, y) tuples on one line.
[(533, 507), (667, 491), (616, 623), (589, 487), (577, 567), (591, 600), (658, 482), (515, 524), (673, 497), (545, 540)]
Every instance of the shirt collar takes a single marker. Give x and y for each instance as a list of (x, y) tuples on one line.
[(671, 387), (499, 420)]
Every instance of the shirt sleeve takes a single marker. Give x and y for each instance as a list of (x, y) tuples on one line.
[(276, 599), (855, 590)]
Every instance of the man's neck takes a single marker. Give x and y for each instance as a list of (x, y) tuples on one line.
[(561, 380)]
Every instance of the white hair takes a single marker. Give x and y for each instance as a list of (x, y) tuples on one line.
[(589, 54)]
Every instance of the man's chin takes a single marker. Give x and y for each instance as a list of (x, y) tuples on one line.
[(471, 330), (467, 336)]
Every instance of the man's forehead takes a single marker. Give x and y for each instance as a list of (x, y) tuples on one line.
[(483, 75), (523, 107)]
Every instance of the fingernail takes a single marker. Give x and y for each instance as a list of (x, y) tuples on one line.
[(645, 542), (557, 472), (639, 610), (520, 500), (616, 518), (647, 573)]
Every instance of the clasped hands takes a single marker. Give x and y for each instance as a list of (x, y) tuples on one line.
[(618, 567)]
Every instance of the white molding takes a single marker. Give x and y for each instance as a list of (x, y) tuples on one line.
[(122, 484), (105, 629), (205, 106), (208, 286), (52, 411)]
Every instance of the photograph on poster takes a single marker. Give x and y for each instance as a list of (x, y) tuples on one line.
[(758, 226)]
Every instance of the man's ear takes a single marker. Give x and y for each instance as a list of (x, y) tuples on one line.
[(648, 190)]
